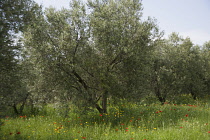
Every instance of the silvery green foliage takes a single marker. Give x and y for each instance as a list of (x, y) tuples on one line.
[(15, 16), (90, 52), (178, 68)]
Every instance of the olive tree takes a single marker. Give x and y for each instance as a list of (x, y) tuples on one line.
[(89, 56), (15, 17)]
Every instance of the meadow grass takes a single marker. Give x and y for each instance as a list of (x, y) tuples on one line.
[(124, 121)]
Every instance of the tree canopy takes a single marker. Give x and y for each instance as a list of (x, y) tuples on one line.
[(94, 52)]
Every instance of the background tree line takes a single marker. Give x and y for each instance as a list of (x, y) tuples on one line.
[(93, 52)]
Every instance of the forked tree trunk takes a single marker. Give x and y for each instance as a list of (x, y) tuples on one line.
[(193, 95), (103, 108), (20, 110), (158, 95), (100, 110), (15, 109)]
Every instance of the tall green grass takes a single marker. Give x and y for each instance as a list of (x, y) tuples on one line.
[(124, 121)]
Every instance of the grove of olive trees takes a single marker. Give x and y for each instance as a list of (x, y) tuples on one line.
[(94, 52)]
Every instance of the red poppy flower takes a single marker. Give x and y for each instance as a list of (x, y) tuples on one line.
[(181, 127), (122, 124), (186, 115), (83, 137), (208, 131), (160, 111), (18, 132), (116, 129), (10, 133), (126, 130), (100, 115)]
